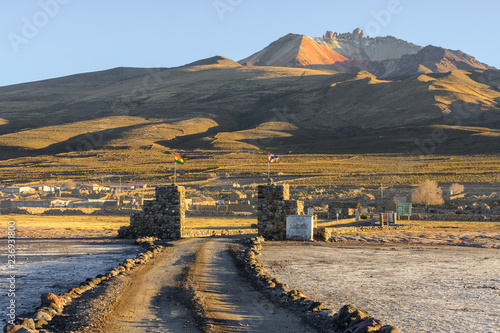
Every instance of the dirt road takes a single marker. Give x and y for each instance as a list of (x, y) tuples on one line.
[(230, 302), (154, 302)]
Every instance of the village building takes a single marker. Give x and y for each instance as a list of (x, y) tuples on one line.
[(95, 187), (237, 197), (17, 189), (200, 203)]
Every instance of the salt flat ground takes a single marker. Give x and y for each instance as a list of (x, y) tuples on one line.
[(417, 288), (56, 265)]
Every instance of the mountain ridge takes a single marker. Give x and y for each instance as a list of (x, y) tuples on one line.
[(385, 57)]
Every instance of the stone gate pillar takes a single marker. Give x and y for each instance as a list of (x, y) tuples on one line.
[(273, 208), (162, 217)]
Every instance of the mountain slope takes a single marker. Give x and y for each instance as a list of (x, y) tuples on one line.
[(232, 107), (294, 51)]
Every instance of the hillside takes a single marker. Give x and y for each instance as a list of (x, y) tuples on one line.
[(430, 100), (234, 98)]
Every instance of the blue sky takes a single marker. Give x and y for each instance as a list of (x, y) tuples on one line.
[(41, 39)]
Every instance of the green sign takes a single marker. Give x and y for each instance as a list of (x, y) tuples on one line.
[(403, 209)]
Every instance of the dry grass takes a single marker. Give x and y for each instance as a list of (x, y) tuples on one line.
[(154, 165), (220, 223), (460, 226), (113, 223), (43, 137), (84, 222)]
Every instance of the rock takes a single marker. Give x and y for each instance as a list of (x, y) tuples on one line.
[(349, 313), (75, 291), (389, 329), (24, 330), (40, 323), (316, 307), (358, 33), (50, 310), (12, 328), (50, 298), (363, 326), (26, 322), (42, 315)]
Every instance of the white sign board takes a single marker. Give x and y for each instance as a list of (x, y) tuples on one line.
[(299, 227)]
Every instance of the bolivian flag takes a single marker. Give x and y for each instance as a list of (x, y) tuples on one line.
[(272, 158), (178, 159)]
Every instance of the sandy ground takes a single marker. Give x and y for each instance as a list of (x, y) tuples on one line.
[(56, 265), (424, 288)]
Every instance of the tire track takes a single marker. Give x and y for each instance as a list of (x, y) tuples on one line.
[(230, 302), (154, 302)]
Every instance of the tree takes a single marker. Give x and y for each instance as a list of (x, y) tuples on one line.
[(456, 188), (427, 193)]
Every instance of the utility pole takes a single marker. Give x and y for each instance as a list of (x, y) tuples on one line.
[(120, 191), (142, 202)]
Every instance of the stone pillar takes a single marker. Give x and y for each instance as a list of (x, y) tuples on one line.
[(273, 208), (162, 217)]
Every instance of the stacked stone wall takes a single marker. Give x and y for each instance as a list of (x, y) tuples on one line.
[(163, 217), (273, 207), (455, 217)]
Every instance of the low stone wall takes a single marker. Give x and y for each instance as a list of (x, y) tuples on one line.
[(213, 233), (348, 319), (455, 217), (65, 211), (52, 305), (326, 234), (215, 213), (162, 217)]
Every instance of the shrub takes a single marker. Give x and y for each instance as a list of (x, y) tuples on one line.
[(427, 193)]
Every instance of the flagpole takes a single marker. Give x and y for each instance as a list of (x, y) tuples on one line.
[(175, 171), (268, 174)]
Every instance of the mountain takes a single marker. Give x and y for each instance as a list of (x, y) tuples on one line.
[(229, 107), (385, 57), (295, 95), (294, 51), (217, 60)]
